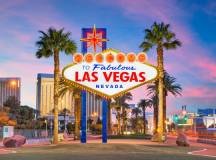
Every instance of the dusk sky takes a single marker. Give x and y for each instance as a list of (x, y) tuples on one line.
[(194, 64)]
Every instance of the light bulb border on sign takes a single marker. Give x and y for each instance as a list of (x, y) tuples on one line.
[(86, 88)]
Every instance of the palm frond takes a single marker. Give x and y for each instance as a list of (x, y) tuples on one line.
[(55, 40), (159, 35)]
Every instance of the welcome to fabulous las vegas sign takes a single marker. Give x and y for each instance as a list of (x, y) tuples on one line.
[(109, 73)]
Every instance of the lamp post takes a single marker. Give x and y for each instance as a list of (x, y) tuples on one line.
[(51, 125), (65, 122), (46, 128)]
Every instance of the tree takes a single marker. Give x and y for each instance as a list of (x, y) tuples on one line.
[(24, 115), (51, 43), (154, 101), (63, 89), (121, 104), (143, 104), (6, 120), (160, 36), (13, 104), (65, 112), (136, 112), (170, 86)]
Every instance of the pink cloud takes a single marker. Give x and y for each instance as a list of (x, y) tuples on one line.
[(198, 92), (22, 37), (208, 67), (6, 5)]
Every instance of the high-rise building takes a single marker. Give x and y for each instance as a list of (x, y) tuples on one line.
[(45, 94), (9, 86)]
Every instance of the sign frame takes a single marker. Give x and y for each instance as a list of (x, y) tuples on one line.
[(86, 88)]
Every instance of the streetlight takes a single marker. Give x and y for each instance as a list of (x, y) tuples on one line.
[(13, 83), (46, 128)]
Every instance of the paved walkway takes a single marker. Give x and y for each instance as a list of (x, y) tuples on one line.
[(204, 149)]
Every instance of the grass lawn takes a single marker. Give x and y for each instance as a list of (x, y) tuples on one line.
[(102, 152)]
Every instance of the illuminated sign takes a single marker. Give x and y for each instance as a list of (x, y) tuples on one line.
[(110, 73)]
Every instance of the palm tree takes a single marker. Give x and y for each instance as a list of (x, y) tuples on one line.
[(51, 43), (143, 104), (117, 107), (170, 86), (162, 38), (136, 111), (63, 89), (126, 97), (65, 112), (154, 101), (120, 104)]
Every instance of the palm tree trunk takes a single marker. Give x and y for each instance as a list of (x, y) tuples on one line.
[(161, 93), (123, 120), (164, 113), (155, 118), (77, 117), (56, 82), (136, 122), (144, 121), (119, 122)]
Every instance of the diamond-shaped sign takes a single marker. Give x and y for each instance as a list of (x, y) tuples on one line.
[(109, 74)]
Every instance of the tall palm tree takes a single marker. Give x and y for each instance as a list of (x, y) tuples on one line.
[(63, 89), (170, 86), (143, 104), (160, 36), (51, 43)]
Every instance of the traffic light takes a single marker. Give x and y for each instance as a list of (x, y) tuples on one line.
[(185, 118), (176, 118)]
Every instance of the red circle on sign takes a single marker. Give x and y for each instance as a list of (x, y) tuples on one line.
[(109, 58), (131, 57), (120, 57), (89, 57), (99, 58), (142, 57), (77, 58)]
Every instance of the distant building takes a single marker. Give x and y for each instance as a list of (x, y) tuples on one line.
[(206, 112), (45, 94), (44, 100), (9, 86), (207, 117), (94, 106)]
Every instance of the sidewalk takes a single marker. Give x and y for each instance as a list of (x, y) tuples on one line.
[(29, 143), (206, 149)]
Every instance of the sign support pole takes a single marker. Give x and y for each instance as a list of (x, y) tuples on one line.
[(84, 93), (104, 120), (83, 97), (83, 117)]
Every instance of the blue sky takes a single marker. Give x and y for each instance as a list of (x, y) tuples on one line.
[(194, 64)]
